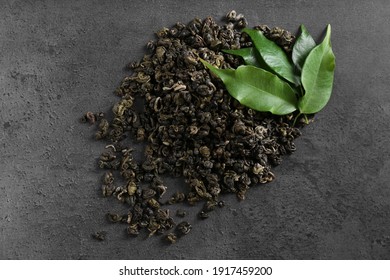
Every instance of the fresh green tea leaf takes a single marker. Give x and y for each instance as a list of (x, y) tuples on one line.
[(317, 77), (250, 56), (257, 89), (273, 55), (302, 47), (247, 54)]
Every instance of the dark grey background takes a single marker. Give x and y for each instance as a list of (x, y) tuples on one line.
[(59, 59)]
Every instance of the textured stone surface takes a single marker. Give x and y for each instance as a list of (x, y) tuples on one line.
[(58, 59)]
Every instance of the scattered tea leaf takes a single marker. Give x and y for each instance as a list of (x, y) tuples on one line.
[(317, 77), (100, 235), (274, 56), (257, 89), (302, 47)]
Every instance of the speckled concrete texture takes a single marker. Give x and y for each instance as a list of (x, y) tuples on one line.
[(59, 59)]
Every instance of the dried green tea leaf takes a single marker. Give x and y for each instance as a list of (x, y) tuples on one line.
[(257, 89), (273, 55), (317, 77), (302, 47)]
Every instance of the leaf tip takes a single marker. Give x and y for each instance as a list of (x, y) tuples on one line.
[(328, 29), (246, 29), (205, 63), (251, 32)]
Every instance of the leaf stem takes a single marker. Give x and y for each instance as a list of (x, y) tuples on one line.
[(296, 118), (306, 119)]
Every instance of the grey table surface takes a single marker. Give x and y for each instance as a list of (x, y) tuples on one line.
[(59, 59)]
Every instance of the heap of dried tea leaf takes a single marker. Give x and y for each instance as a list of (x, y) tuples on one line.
[(191, 127)]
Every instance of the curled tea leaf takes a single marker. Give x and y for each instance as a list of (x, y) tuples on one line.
[(257, 89), (317, 77)]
